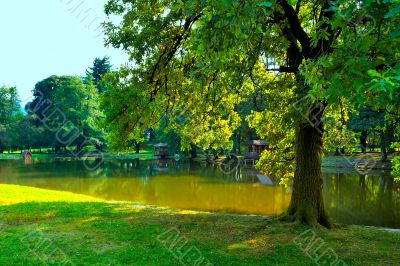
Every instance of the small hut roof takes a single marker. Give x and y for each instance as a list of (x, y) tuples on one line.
[(26, 154), (161, 145), (258, 142)]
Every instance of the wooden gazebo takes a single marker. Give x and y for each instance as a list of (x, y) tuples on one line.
[(161, 150), (256, 147), (27, 157)]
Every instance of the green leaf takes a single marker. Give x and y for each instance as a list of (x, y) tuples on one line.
[(395, 34), (373, 73), (266, 4), (393, 12)]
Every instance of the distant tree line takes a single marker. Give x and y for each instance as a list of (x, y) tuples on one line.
[(64, 113)]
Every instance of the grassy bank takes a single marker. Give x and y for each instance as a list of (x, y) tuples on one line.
[(364, 161), (144, 155), (100, 233)]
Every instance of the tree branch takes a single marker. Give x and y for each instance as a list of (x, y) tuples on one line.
[(295, 26), (169, 51), (323, 44)]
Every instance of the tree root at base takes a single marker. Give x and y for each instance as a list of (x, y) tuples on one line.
[(312, 221)]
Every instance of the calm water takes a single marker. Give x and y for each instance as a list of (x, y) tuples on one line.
[(350, 198)]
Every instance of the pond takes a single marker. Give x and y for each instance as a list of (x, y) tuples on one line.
[(349, 197)]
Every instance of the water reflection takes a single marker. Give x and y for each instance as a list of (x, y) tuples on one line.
[(350, 198), (163, 183), (363, 199)]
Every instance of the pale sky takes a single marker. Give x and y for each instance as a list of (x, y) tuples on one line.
[(40, 38)]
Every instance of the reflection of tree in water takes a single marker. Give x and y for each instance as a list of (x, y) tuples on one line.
[(361, 199), (350, 198), (128, 168), (186, 184), (385, 203)]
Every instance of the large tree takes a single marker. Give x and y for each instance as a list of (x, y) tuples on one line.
[(67, 109), (195, 61)]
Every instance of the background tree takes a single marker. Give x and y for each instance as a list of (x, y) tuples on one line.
[(67, 109), (9, 104), (365, 123), (10, 113), (101, 66)]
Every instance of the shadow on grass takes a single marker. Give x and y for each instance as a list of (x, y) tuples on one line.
[(122, 234)]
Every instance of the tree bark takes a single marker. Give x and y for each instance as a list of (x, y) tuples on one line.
[(384, 155), (307, 204), (137, 147), (337, 152), (383, 147), (193, 151), (79, 147), (363, 141)]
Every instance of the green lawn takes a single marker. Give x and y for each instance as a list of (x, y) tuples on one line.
[(144, 155), (373, 160), (101, 233)]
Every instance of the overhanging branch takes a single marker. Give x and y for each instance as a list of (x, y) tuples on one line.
[(295, 26)]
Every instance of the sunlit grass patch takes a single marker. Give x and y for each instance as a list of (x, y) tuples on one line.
[(12, 194)]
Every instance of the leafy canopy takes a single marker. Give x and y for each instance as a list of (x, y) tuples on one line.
[(194, 62)]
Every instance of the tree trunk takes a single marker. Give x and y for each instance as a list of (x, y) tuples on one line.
[(337, 152), (363, 141), (79, 147), (193, 151), (383, 153), (372, 144), (383, 147), (307, 204), (137, 148), (386, 140)]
